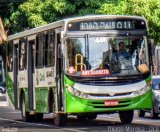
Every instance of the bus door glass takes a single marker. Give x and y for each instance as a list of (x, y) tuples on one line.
[(22, 64), (40, 72), (15, 72), (58, 52), (31, 71), (59, 66)]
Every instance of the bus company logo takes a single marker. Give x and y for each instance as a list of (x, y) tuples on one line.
[(111, 93), (71, 70)]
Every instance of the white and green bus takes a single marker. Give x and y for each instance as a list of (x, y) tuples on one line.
[(69, 67)]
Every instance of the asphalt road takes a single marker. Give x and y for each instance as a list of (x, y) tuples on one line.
[(11, 121)]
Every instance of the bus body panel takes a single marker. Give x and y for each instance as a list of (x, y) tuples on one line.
[(77, 105)]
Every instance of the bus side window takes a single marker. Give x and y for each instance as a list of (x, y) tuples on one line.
[(50, 49), (40, 42), (10, 57), (22, 55)]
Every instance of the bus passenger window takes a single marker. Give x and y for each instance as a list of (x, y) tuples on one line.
[(40, 50), (10, 57), (22, 55), (50, 49)]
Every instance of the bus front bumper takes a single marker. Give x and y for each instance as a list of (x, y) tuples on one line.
[(75, 104)]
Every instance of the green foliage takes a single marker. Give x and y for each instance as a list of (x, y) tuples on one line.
[(32, 10), (33, 13), (36, 20), (148, 8), (54, 10)]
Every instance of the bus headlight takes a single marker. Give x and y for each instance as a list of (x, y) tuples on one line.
[(142, 91), (76, 92), (70, 89)]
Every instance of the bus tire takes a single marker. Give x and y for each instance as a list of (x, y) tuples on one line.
[(81, 117), (141, 113), (126, 117), (60, 119), (153, 114), (92, 116), (26, 117)]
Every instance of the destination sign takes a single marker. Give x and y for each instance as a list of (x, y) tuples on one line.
[(106, 25)]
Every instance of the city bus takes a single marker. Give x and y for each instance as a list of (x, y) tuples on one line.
[(72, 67)]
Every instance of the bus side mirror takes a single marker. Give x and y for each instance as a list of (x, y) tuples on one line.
[(151, 46), (151, 43), (151, 52)]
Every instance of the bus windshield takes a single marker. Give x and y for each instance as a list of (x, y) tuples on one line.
[(96, 55)]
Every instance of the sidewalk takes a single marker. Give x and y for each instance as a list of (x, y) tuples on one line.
[(4, 100)]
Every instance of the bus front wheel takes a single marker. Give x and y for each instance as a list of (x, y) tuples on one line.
[(141, 113), (126, 117), (60, 119), (89, 116), (153, 114)]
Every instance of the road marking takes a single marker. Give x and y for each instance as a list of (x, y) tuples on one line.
[(38, 124)]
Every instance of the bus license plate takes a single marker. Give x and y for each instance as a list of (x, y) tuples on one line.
[(111, 103)]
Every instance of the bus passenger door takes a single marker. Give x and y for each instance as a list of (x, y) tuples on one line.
[(15, 73), (59, 66), (31, 58)]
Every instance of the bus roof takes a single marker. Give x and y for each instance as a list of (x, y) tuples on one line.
[(104, 16), (62, 22)]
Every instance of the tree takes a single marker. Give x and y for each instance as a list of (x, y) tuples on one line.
[(34, 13), (148, 8)]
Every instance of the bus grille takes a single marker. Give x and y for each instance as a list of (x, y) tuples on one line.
[(107, 95), (108, 81), (105, 82)]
